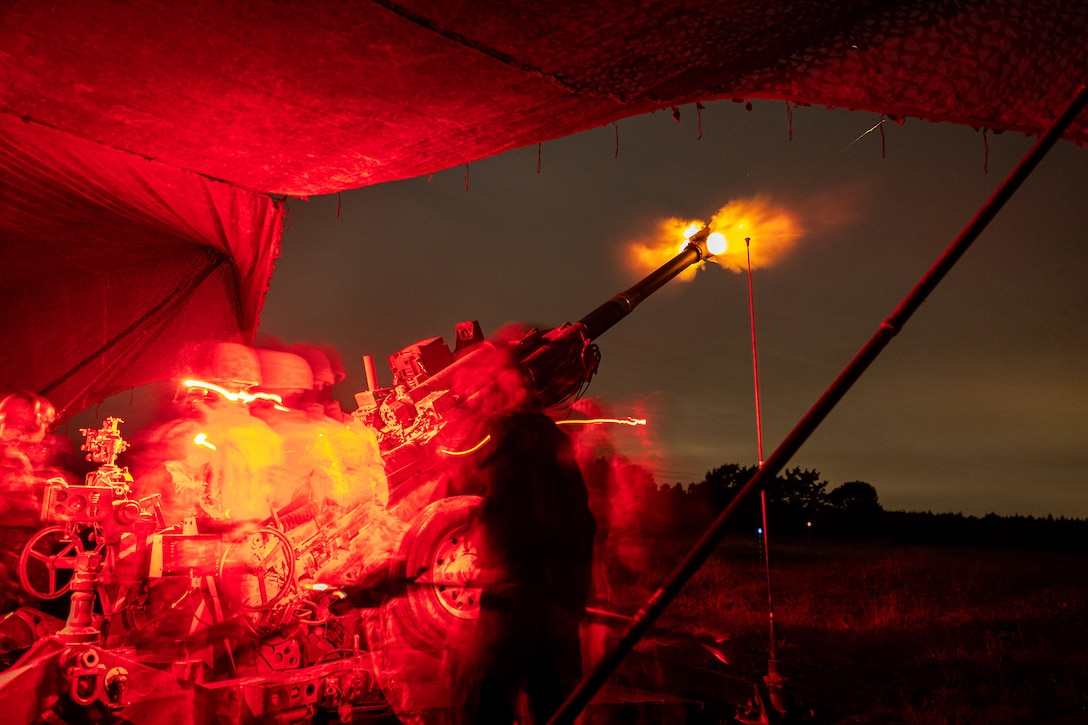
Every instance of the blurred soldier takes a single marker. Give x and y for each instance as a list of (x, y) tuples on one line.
[(211, 458), (24, 431), (327, 371), (534, 536), (29, 454)]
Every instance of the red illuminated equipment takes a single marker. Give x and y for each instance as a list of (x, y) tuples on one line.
[(142, 141), (219, 620), (439, 396)]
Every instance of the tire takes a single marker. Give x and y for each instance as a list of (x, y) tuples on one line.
[(435, 560)]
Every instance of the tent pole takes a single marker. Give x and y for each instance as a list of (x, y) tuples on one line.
[(706, 544)]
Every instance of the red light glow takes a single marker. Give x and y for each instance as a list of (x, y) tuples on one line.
[(201, 439), (467, 451), (241, 396), (602, 421), (590, 421)]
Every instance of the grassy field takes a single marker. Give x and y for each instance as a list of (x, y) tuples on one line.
[(871, 633)]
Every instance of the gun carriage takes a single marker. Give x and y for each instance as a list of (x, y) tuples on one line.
[(233, 623)]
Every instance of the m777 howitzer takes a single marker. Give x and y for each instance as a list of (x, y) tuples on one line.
[(438, 394), (439, 407), (264, 635)]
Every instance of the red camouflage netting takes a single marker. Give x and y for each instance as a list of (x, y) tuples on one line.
[(140, 141)]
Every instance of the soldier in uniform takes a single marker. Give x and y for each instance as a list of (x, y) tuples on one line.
[(534, 535), (29, 455)]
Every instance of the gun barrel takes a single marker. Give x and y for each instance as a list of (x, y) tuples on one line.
[(604, 317)]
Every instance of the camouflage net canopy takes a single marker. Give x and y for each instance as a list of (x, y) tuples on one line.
[(145, 138)]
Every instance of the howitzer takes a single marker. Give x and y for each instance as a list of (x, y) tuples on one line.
[(438, 407), (263, 623), (434, 387)]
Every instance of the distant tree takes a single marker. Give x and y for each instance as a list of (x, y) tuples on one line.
[(854, 511), (724, 482), (855, 497), (803, 491)]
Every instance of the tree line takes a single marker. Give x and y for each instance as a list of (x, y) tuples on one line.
[(800, 503)]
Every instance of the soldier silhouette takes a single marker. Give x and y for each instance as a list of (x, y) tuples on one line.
[(534, 534)]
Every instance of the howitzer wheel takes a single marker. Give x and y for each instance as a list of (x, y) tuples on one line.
[(48, 562), (436, 559)]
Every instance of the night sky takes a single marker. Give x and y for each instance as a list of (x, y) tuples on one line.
[(980, 405)]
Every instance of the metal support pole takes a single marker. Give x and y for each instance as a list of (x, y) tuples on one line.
[(703, 548)]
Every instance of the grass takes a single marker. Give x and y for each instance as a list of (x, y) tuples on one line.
[(873, 633)]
